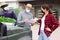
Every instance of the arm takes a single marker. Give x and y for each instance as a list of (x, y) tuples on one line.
[(19, 19), (39, 31), (54, 22), (39, 21), (14, 16)]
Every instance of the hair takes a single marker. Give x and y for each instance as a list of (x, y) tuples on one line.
[(47, 7)]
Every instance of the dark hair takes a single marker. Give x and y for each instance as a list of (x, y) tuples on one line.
[(4, 5), (47, 7)]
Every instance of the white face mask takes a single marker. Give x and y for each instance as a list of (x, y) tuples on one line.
[(6, 8), (27, 10)]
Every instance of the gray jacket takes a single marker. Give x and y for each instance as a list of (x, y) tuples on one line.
[(23, 15)]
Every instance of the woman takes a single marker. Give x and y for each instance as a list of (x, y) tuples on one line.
[(48, 23)]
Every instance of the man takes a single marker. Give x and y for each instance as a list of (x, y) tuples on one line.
[(25, 18), (6, 12)]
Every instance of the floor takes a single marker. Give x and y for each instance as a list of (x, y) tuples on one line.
[(54, 36)]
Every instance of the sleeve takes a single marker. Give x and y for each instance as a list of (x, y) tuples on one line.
[(54, 22), (39, 31), (39, 21), (19, 19), (14, 16)]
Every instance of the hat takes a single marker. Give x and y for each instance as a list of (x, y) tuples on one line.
[(29, 5), (3, 4)]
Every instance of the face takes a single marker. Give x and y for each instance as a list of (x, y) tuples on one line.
[(28, 9), (6, 8)]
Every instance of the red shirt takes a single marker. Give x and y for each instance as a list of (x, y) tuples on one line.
[(50, 22)]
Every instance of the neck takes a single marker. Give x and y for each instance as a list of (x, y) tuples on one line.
[(46, 13)]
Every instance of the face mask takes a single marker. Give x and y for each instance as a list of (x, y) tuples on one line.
[(6, 8), (27, 10)]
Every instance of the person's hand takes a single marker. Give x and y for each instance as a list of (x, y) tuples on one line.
[(35, 19), (26, 20), (48, 29), (32, 24)]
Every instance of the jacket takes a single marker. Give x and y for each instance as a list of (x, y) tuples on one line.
[(50, 22)]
